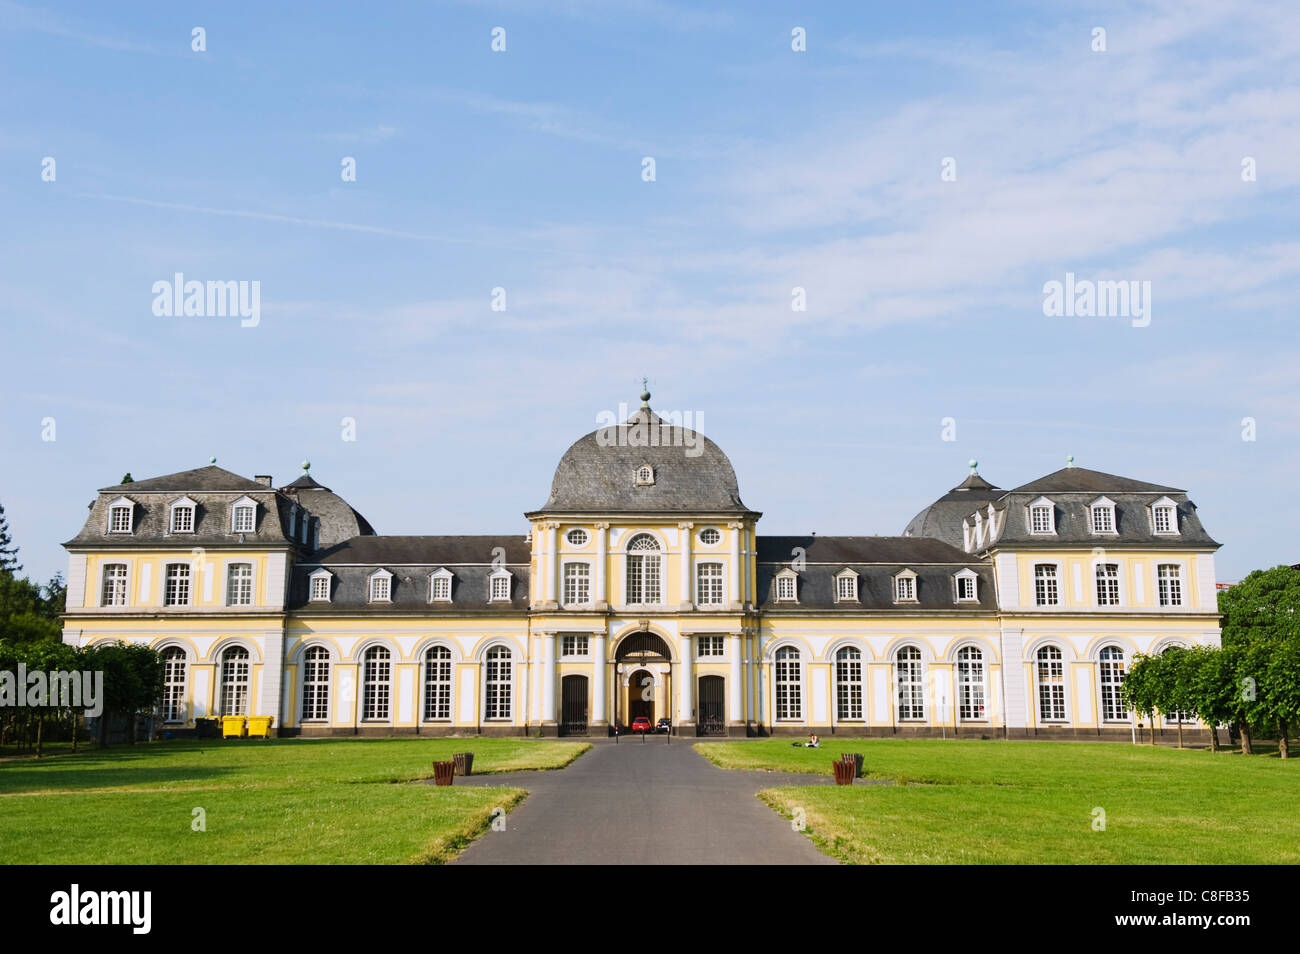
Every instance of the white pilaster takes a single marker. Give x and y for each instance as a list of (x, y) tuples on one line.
[(602, 557), (548, 677), (272, 677), (687, 597), (734, 594), (734, 713), (598, 667), (552, 563), (686, 710)]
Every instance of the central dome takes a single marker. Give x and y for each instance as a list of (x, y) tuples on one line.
[(644, 464)]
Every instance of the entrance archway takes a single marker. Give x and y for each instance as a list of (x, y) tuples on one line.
[(573, 705), (641, 696)]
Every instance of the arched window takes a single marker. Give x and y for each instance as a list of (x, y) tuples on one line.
[(1111, 670), (234, 681), (644, 568), (1051, 685), (848, 683), (911, 683), (173, 684), (498, 683), (970, 685), (437, 684), (316, 684), (789, 685), (376, 689)]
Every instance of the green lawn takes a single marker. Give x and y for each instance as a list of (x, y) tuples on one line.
[(278, 801), (977, 802)]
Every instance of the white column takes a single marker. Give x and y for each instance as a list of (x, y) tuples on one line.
[(272, 677), (686, 529), (602, 557), (751, 678), (733, 683), (687, 680), (734, 594), (552, 562), (598, 666), (548, 677)]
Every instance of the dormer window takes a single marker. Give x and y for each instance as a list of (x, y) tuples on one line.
[(786, 586), (381, 587), (1041, 516), (320, 585), (645, 474), (905, 587), (967, 586), (243, 515), (1164, 516), (499, 586), (440, 586), (846, 586), (121, 515), (182, 516), (1103, 515)]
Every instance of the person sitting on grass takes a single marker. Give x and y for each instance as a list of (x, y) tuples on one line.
[(812, 742)]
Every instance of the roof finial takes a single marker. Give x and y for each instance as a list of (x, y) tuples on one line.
[(212, 460), (306, 466), (1069, 460), (645, 393), (974, 465)]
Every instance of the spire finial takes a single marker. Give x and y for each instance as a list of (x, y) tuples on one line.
[(974, 465), (1069, 460), (645, 393), (306, 466)]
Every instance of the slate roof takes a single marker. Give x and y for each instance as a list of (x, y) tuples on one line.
[(1069, 479), (338, 521), (942, 520), (597, 474), (411, 559), (876, 560), (210, 478)]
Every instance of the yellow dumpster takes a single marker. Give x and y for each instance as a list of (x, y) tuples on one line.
[(260, 726), (232, 727)]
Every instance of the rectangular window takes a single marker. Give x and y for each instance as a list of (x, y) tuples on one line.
[(785, 587), (1171, 584), (320, 588), (243, 520), (708, 584), (120, 520), (379, 589), (574, 644), (789, 696), (1040, 519), (577, 584), (182, 519), (501, 587), (1051, 685), (905, 588), (846, 588), (1108, 584), (442, 588), (1103, 520), (114, 591), (173, 705), (176, 591), (1164, 519), (710, 646), (965, 587), (239, 585), (1045, 590)]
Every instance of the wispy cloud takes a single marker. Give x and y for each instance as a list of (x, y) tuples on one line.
[(14, 16)]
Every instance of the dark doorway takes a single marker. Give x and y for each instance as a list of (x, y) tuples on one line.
[(641, 696), (712, 719), (573, 705)]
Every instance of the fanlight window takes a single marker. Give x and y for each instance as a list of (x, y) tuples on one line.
[(234, 681), (644, 570), (316, 684), (789, 701), (1112, 677), (911, 683), (437, 684), (848, 683), (376, 688), (970, 685), (173, 706), (1051, 685)]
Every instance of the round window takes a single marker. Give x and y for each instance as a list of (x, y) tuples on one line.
[(577, 537), (710, 536)]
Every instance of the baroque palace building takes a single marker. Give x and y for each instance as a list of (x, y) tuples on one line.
[(643, 589)]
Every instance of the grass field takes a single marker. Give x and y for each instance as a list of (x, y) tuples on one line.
[(274, 802), (974, 802)]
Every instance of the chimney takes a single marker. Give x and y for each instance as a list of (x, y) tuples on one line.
[(263, 479)]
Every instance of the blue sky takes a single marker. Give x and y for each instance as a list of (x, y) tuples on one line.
[(774, 169)]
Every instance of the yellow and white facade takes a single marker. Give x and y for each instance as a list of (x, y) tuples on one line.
[(642, 589)]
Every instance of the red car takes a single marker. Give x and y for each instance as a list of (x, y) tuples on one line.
[(640, 724)]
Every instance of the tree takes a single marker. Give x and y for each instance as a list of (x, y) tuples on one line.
[(8, 552), (1177, 675), (1261, 620), (1141, 688), (127, 478), (1217, 694), (133, 682)]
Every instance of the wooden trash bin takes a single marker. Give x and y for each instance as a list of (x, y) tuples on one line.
[(843, 772), (856, 759), (464, 762), (443, 772)]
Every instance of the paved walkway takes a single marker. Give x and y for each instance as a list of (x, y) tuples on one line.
[(644, 804)]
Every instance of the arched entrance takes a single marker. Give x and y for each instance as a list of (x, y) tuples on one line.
[(643, 663), (573, 705), (712, 719)]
